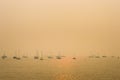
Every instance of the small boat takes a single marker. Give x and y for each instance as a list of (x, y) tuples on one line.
[(97, 56), (4, 56), (37, 55), (91, 56), (41, 58), (118, 57), (50, 57), (16, 57), (24, 56), (58, 57), (63, 56), (74, 58), (104, 56)]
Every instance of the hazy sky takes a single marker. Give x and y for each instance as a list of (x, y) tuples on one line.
[(70, 26)]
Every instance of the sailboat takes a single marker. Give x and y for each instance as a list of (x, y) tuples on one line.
[(74, 58), (37, 55), (50, 57), (97, 56), (104, 56), (24, 56), (16, 57), (4, 56), (91, 56), (41, 58), (118, 57), (59, 57)]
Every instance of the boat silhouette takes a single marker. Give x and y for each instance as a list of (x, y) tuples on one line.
[(97, 56), (104, 56), (37, 55), (25, 56), (41, 57), (74, 58), (50, 57), (58, 57), (91, 56), (16, 56), (4, 56)]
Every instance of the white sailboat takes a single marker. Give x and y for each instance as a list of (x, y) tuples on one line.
[(50, 57)]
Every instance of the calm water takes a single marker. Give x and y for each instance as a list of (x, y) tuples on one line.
[(65, 69)]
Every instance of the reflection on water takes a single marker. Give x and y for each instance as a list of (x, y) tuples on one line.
[(64, 69)]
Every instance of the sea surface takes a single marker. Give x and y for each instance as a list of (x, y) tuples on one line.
[(63, 69)]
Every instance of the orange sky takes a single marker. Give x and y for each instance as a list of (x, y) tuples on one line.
[(70, 26)]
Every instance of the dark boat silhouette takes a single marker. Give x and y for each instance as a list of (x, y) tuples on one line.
[(50, 57), (74, 58), (118, 57), (16, 57), (97, 56), (4, 56), (104, 56), (41, 57), (37, 55), (58, 57)]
